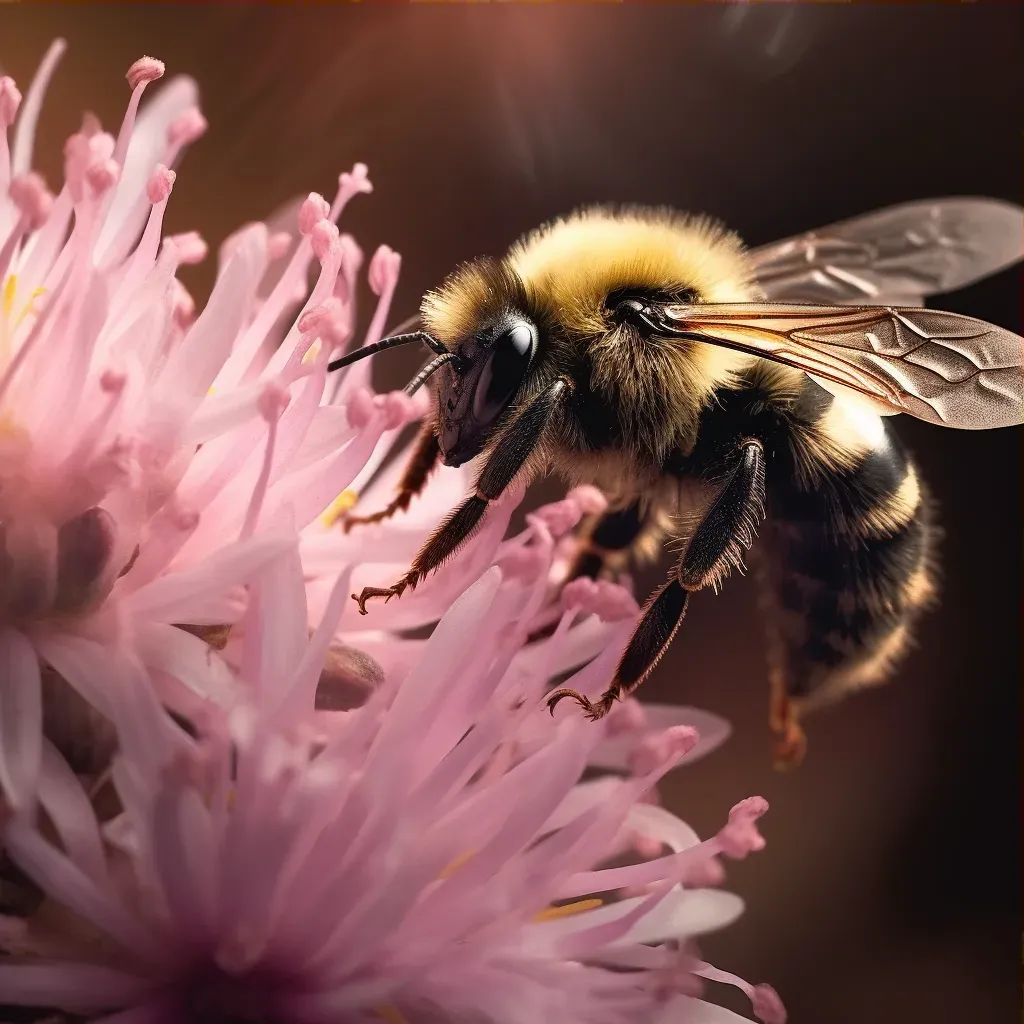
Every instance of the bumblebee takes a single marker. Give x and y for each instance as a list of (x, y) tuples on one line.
[(715, 393)]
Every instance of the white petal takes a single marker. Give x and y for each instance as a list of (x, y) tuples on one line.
[(21, 718)]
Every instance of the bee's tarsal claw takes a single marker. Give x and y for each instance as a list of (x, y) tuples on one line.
[(592, 711), (386, 592)]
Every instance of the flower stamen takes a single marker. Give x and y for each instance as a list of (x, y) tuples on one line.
[(568, 909)]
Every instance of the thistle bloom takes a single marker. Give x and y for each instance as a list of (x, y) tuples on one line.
[(434, 857), (152, 459)]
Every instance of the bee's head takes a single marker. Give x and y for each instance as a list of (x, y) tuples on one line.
[(477, 389)]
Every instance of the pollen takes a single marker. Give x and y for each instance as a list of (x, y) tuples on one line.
[(8, 321), (389, 1015), (568, 910), (10, 286), (459, 862), (343, 503)]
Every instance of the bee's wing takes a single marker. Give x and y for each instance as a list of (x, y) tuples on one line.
[(895, 256), (945, 368)]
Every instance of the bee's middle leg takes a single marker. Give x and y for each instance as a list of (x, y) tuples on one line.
[(517, 443), (716, 547)]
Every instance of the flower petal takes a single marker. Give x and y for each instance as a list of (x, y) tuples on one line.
[(691, 1010), (613, 752), (187, 659), (68, 806), (76, 987), (172, 598), (193, 365), (130, 206), (21, 718), (65, 882)]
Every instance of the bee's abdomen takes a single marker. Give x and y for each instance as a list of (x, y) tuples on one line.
[(848, 568)]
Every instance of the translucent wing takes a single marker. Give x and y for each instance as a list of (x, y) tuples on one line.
[(895, 256), (945, 368)]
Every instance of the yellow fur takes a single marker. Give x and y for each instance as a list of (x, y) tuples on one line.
[(898, 508), (453, 310), (870, 671), (573, 263)]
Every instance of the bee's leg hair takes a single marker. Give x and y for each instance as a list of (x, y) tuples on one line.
[(517, 443), (421, 464), (717, 545)]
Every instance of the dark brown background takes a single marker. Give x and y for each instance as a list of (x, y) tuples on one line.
[(889, 889)]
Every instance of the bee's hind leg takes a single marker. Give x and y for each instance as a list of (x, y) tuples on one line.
[(716, 547)]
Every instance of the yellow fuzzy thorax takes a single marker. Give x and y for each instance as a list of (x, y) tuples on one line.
[(572, 264)]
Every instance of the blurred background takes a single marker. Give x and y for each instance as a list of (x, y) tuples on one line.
[(889, 890)]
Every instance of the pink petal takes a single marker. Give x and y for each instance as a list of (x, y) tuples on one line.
[(21, 718), (612, 753), (302, 692), (328, 431), (311, 490), (65, 882), (172, 598), (130, 206), (185, 859), (193, 365), (189, 660), (68, 806), (154, 1012), (275, 630), (426, 686), (691, 1010), (83, 663), (68, 985)]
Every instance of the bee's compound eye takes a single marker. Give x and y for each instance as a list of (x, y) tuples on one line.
[(504, 370)]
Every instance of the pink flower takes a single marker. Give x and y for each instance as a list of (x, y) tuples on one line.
[(432, 856), (152, 457)]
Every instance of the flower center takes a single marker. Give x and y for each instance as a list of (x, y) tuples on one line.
[(217, 997)]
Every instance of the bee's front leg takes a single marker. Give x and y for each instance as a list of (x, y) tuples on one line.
[(716, 547), (517, 443)]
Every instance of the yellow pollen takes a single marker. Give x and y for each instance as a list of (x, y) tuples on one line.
[(312, 352), (569, 910), (337, 508), (390, 1015), (456, 864), (10, 286)]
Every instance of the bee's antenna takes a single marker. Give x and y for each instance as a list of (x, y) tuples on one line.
[(428, 371), (385, 343)]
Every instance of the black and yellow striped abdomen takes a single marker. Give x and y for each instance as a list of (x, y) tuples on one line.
[(847, 553)]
